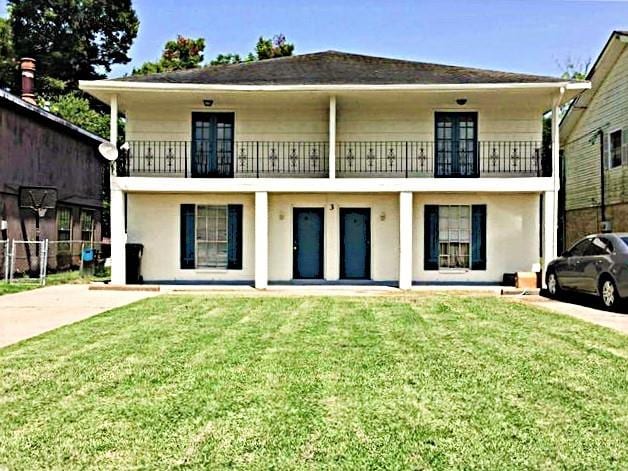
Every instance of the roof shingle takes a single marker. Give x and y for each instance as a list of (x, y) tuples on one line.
[(337, 68)]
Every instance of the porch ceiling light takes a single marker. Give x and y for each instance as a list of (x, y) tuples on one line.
[(461, 101), (207, 102)]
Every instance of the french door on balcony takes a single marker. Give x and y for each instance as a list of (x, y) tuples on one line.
[(456, 145), (212, 145)]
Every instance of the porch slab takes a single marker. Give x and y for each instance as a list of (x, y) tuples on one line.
[(333, 290)]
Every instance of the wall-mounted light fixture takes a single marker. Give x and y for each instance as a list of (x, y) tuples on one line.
[(382, 216), (282, 215), (461, 101), (207, 102)]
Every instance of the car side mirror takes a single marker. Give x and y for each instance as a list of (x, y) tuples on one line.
[(565, 254)]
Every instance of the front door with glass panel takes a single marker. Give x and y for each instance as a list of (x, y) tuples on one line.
[(456, 145), (212, 145)]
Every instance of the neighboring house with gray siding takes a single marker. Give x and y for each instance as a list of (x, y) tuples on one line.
[(594, 142)]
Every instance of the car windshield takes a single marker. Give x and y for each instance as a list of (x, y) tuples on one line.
[(624, 240)]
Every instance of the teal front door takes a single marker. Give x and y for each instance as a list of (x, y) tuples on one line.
[(355, 243), (308, 246)]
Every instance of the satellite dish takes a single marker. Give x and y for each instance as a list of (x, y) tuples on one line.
[(108, 151)]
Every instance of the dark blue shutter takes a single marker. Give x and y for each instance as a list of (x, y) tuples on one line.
[(188, 219), (235, 237), (478, 237), (430, 253)]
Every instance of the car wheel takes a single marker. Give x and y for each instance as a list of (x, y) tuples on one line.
[(608, 293), (553, 288)]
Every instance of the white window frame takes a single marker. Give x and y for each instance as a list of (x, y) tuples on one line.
[(449, 241), (216, 266), (610, 148), (85, 212)]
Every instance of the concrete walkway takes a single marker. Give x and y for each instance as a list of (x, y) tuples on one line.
[(613, 320), (30, 313)]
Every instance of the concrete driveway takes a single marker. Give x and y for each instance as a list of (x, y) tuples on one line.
[(30, 313), (582, 307)]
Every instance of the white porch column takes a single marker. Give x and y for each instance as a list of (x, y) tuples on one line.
[(332, 136), (118, 238), (113, 119), (261, 240), (405, 240), (549, 229), (550, 198)]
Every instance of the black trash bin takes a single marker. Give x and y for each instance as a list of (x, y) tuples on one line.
[(134, 263)]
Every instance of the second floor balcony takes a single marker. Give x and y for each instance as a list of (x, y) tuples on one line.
[(351, 159)]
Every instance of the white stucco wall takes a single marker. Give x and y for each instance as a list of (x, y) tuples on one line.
[(384, 234), (154, 220), (512, 235)]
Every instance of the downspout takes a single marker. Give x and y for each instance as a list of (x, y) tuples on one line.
[(602, 182)]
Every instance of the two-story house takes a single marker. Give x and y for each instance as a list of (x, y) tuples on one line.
[(594, 142), (334, 166)]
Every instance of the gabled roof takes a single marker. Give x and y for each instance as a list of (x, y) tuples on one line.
[(613, 48), (337, 68), (53, 120)]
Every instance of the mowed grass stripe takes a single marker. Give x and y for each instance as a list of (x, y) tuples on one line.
[(415, 382)]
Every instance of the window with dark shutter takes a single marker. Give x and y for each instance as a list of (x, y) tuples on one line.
[(478, 237), (188, 236), (219, 243), (430, 253), (235, 237)]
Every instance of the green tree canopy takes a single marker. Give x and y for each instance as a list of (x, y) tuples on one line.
[(265, 48), (7, 55), (178, 54), (77, 110), (72, 40), (275, 47)]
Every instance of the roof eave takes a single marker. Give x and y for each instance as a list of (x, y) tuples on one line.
[(104, 89), (108, 85)]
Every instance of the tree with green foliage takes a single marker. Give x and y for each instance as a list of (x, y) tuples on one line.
[(275, 47), (226, 59), (264, 49), (77, 110), (7, 55), (574, 69), (178, 54), (72, 40)]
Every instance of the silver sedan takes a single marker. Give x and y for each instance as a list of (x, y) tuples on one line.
[(597, 264)]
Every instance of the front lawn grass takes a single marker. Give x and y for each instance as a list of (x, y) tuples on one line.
[(263, 382), (72, 277)]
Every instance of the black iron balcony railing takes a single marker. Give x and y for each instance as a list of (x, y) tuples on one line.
[(498, 158), (354, 159), (277, 159), (385, 159), (202, 158), (441, 159)]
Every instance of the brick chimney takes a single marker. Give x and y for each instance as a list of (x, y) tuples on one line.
[(27, 69)]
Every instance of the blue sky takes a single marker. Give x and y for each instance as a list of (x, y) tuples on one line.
[(514, 35)]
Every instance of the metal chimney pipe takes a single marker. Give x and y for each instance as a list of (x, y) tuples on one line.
[(27, 68)]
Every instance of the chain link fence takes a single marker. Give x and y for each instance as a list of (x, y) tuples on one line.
[(33, 261)]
